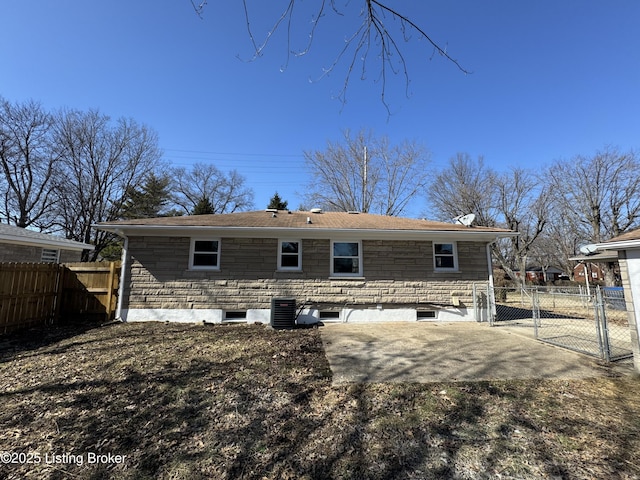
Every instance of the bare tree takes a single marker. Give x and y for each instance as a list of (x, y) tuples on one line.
[(367, 174), (377, 37), (555, 246), (515, 200), (523, 207), (28, 160), (225, 192), (102, 162), (599, 194), (465, 186)]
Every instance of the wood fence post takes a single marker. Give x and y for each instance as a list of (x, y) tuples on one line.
[(59, 292)]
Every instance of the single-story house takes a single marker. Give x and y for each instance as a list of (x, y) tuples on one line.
[(344, 267), (590, 268), (541, 274), (22, 245), (628, 248), (588, 272)]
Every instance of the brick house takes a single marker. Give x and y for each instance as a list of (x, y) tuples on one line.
[(588, 270), (345, 267), (22, 245), (536, 274)]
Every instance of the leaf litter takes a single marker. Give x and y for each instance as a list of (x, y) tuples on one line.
[(249, 402)]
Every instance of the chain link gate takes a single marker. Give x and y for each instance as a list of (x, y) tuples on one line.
[(591, 322)]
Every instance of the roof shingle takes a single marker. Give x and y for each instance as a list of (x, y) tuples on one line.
[(299, 219), (632, 235)]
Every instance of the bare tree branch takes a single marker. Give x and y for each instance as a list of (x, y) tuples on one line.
[(373, 30)]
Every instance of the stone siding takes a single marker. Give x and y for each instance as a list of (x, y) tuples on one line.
[(395, 273)]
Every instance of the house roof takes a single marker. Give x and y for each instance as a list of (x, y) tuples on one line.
[(626, 240), (603, 256), (22, 236), (306, 224)]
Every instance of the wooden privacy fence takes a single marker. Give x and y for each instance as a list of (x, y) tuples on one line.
[(39, 294)]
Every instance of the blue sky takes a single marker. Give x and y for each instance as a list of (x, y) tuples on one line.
[(551, 79)]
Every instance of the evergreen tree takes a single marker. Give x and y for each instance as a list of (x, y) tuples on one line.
[(203, 207), (149, 200), (277, 202)]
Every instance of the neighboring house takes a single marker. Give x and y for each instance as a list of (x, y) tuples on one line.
[(540, 274), (22, 245), (590, 269), (628, 248), (337, 266)]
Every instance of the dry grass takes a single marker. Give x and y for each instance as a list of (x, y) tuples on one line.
[(239, 401)]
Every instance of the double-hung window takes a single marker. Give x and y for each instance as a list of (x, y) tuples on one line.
[(290, 255), (346, 258), (204, 254), (445, 256)]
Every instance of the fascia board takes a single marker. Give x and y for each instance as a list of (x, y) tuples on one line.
[(309, 233), (62, 245)]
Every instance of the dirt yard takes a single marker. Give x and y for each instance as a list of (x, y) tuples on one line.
[(174, 401)]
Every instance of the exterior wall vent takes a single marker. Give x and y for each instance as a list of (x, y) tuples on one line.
[(329, 315), (423, 314), (283, 312)]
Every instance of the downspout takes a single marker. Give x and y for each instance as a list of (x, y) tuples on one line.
[(490, 263), (123, 270)]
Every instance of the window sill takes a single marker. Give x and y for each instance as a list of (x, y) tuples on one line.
[(446, 271), (289, 271), (346, 277)]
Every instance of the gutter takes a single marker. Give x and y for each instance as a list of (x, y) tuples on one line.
[(62, 245), (621, 245)]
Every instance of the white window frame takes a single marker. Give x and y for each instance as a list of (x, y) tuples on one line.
[(359, 257), (193, 252), (50, 257), (280, 254), (454, 255)]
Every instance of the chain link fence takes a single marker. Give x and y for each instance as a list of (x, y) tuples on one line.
[(592, 321)]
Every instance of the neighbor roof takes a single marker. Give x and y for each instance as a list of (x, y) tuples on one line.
[(22, 236), (603, 256), (626, 240), (297, 221)]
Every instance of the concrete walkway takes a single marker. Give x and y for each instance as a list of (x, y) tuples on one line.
[(442, 352)]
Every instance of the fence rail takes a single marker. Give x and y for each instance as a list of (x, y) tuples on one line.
[(39, 294)]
